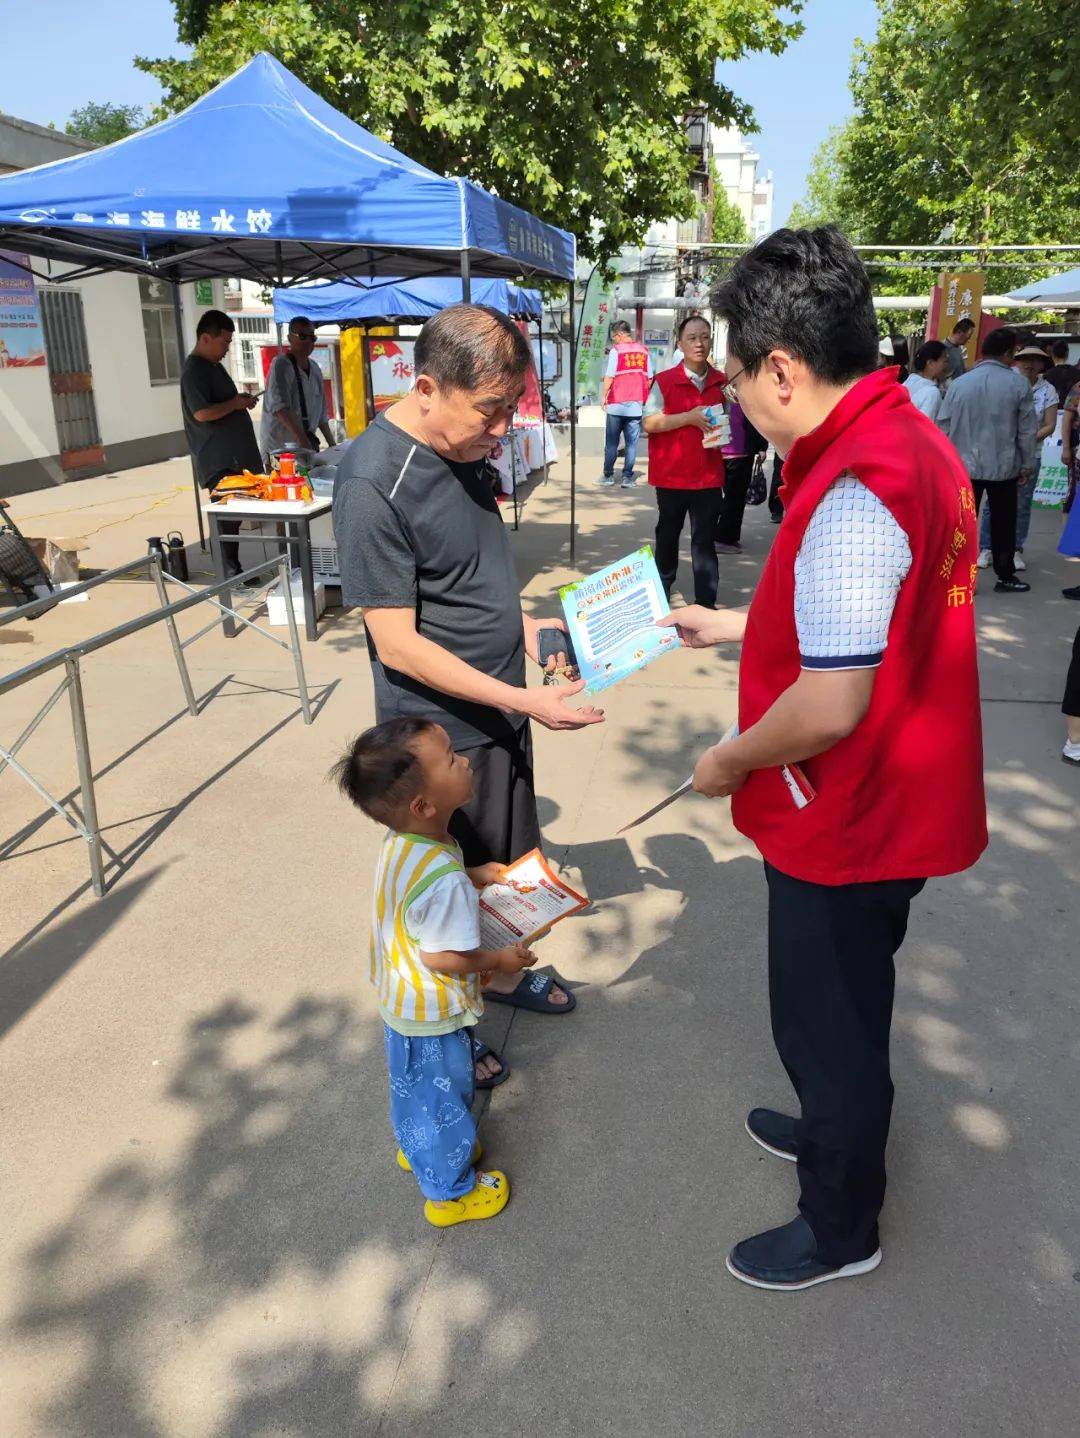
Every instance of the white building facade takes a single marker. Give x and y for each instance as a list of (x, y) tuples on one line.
[(107, 396), (737, 168), (673, 280)]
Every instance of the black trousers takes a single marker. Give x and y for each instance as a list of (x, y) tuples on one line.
[(703, 507), (1001, 496), (1070, 705), (499, 823), (776, 509), (737, 474), (831, 980)]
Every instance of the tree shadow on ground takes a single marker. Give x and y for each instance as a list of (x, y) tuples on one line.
[(256, 1279), (243, 1283)]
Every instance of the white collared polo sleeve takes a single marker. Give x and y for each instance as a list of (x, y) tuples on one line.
[(853, 558)]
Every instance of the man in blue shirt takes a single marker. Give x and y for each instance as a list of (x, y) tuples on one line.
[(989, 415)]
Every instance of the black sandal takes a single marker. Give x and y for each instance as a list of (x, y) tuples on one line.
[(482, 1051)]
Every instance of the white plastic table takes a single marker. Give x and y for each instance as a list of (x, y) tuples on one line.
[(296, 516)]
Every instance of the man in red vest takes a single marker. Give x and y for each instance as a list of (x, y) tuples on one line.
[(687, 476), (859, 664), (623, 395)]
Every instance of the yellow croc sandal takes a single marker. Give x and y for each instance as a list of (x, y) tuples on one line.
[(489, 1197), (477, 1155)]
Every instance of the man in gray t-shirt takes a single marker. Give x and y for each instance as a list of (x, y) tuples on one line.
[(294, 406), (955, 349), (424, 551), (217, 423)]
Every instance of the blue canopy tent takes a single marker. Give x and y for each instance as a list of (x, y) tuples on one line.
[(261, 179), (407, 299), (402, 299)]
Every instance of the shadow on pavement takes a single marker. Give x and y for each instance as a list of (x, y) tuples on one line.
[(53, 952), (248, 1284)]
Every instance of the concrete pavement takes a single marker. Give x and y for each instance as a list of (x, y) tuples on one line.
[(204, 1234)]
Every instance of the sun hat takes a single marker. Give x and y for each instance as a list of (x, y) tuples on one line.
[(1033, 352)]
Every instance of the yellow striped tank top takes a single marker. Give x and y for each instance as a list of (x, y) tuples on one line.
[(409, 865)]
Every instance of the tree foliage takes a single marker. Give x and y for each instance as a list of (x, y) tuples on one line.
[(947, 142), (102, 123), (1028, 55), (570, 108)]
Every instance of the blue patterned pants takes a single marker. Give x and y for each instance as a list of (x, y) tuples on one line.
[(431, 1093)]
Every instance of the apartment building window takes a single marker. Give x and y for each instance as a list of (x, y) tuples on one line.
[(252, 332), (159, 331)]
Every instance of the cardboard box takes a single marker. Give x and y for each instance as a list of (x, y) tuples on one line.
[(60, 557), (275, 601)]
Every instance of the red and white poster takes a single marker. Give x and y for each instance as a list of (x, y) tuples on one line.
[(529, 410), (390, 365)]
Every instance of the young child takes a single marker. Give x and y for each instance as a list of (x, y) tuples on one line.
[(426, 958)]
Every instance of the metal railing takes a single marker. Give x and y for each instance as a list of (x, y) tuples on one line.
[(70, 659)]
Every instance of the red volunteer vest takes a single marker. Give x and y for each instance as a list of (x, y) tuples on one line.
[(902, 797), (630, 384), (677, 458)]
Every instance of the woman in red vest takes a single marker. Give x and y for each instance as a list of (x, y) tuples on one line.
[(859, 663), (688, 477)]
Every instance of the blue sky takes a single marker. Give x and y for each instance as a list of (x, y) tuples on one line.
[(83, 53), (798, 96), (86, 53)]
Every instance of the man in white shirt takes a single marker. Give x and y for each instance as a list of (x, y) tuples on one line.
[(294, 405), (924, 384)]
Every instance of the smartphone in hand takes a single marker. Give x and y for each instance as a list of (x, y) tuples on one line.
[(552, 641)]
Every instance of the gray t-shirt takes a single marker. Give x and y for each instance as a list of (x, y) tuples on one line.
[(416, 531), (218, 446), (283, 392), (956, 356)]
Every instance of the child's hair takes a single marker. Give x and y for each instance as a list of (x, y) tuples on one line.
[(380, 772)]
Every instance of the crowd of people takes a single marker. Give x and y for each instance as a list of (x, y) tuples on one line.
[(997, 414), (851, 607), (862, 619)]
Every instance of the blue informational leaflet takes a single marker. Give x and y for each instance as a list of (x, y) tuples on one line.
[(612, 619)]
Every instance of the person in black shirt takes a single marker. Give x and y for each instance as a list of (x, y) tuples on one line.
[(219, 431), (1062, 375), (423, 550)]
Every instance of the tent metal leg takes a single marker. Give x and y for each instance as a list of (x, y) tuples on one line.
[(466, 279), (513, 472), (573, 426), (543, 401), (178, 315)]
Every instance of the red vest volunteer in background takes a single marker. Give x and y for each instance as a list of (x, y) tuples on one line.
[(688, 477), (630, 382), (858, 665), (627, 378)]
